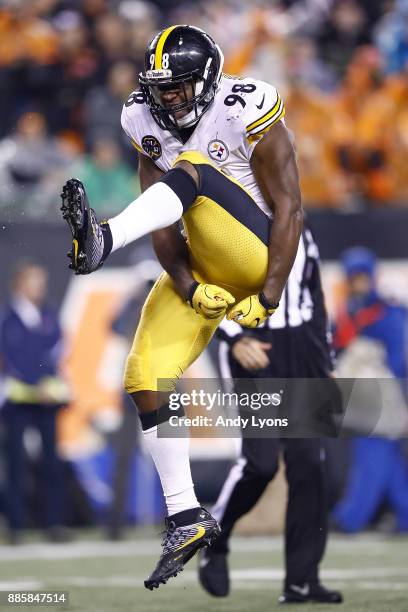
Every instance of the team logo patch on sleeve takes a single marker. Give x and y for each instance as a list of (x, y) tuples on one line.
[(218, 150), (151, 146)]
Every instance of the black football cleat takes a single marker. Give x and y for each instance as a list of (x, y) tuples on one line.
[(213, 573), (309, 593), (180, 544), (88, 243)]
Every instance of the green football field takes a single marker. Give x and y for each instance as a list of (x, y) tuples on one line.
[(372, 572)]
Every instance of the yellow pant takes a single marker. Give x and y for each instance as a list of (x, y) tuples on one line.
[(163, 349), (227, 237)]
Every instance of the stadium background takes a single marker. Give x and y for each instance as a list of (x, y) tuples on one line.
[(66, 67)]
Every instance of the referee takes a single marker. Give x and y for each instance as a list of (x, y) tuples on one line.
[(292, 344)]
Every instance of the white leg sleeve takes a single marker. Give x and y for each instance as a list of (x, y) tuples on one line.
[(172, 462), (156, 208)]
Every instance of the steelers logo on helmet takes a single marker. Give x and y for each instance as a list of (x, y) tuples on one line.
[(151, 146), (218, 150)]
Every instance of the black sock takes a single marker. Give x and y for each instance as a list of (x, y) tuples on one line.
[(162, 415), (107, 240), (185, 517)]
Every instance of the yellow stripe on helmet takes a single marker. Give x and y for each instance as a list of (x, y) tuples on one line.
[(159, 48)]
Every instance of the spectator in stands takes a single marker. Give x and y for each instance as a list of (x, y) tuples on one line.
[(28, 59), (30, 350), (396, 91), (29, 160), (371, 338), (25, 35), (303, 63), (112, 37), (142, 19), (103, 105), (93, 9), (110, 183), (79, 67), (361, 130), (261, 52), (345, 30), (309, 116), (391, 36)]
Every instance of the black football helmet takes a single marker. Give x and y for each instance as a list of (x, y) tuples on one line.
[(179, 56)]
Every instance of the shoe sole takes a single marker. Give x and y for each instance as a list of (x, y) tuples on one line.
[(207, 541), (73, 212)]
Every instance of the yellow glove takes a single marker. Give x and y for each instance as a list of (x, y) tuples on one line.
[(209, 301), (252, 311)]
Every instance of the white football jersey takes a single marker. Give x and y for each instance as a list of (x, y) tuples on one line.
[(243, 110)]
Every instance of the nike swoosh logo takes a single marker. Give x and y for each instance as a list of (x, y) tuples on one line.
[(304, 590), (197, 536), (261, 104)]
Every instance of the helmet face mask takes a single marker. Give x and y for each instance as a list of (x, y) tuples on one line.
[(193, 64)]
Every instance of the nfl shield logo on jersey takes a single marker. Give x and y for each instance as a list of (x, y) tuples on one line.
[(218, 150)]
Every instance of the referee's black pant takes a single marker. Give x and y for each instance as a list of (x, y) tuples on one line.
[(295, 353)]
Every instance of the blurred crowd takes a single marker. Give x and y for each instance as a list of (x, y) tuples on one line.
[(67, 66)]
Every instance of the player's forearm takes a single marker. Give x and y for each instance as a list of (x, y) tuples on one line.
[(284, 239), (169, 245), (149, 173), (172, 253), (275, 168)]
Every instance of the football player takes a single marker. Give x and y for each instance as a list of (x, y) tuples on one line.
[(214, 153)]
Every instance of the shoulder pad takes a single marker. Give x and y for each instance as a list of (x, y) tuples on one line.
[(264, 108), (134, 115)]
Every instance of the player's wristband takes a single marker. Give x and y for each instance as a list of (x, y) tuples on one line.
[(264, 302), (191, 293)]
